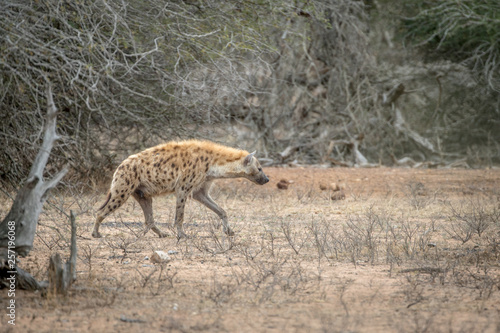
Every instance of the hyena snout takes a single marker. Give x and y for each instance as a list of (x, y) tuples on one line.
[(261, 179)]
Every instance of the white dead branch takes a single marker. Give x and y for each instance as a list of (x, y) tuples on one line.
[(402, 126), (18, 229)]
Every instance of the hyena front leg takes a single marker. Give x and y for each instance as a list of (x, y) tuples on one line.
[(146, 203), (179, 214), (202, 196)]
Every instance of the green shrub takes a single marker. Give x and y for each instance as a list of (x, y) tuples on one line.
[(465, 31)]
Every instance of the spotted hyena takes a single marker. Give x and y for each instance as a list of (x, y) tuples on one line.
[(183, 168)]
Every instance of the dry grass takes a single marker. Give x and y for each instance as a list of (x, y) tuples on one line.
[(407, 250)]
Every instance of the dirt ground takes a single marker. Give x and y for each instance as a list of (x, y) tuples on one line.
[(338, 250)]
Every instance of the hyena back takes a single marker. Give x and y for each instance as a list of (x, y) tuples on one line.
[(182, 168)]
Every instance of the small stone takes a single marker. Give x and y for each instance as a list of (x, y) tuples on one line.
[(334, 187), (171, 252), (339, 195), (160, 257), (283, 184)]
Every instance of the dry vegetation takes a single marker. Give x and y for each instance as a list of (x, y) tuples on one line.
[(406, 250), (309, 81), (313, 81)]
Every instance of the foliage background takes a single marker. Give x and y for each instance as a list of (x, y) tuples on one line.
[(336, 82)]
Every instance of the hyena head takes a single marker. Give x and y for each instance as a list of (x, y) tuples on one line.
[(253, 171)]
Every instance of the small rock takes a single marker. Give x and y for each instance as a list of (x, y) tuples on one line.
[(339, 195), (172, 252), (283, 184), (160, 257), (334, 187), (131, 320), (146, 258)]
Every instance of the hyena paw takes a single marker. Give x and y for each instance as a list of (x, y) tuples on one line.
[(181, 234), (229, 232), (162, 234), (155, 229), (96, 234)]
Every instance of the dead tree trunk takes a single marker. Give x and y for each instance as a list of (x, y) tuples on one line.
[(17, 230), (62, 277)]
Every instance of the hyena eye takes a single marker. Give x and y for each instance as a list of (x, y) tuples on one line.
[(260, 169)]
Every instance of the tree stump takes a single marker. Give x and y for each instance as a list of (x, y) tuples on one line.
[(61, 277)]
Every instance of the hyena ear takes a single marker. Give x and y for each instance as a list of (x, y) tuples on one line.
[(248, 159)]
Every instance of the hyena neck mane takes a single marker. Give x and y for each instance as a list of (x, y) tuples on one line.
[(227, 170), (226, 162)]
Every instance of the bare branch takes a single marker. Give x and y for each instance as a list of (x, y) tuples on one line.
[(50, 136)]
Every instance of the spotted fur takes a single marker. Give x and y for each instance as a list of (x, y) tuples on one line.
[(183, 168)]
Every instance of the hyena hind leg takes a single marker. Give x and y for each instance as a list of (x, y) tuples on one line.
[(146, 203), (95, 232)]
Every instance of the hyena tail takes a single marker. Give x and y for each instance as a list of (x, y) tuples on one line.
[(105, 203), (125, 181)]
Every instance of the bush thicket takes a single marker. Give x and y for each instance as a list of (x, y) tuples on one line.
[(300, 81)]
